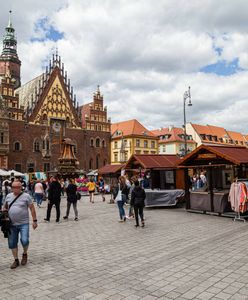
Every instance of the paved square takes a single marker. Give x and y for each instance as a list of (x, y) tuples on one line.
[(178, 255)]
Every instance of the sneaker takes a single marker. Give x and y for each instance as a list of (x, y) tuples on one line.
[(136, 225), (143, 224), (24, 259), (121, 221), (46, 220), (65, 217), (57, 221), (76, 219), (15, 264)]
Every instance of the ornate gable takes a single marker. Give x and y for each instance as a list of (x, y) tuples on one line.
[(52, 98)]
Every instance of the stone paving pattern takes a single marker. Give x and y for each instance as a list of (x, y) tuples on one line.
[(178, 255)]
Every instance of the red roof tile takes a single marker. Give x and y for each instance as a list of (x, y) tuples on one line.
[(131, 127), (233, 154), (110, 169), (224, 137), (236, 136), (154, 161), (174, 133)]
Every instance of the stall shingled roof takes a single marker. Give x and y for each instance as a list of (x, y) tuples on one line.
[(154, 161), (217, 154), (110, 169)]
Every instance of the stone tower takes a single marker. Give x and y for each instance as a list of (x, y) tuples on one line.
[(9, 61)]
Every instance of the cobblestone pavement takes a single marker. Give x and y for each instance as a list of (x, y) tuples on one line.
[(178, 255)]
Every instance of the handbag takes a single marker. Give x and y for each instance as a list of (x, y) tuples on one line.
[(119, 195), (5, 221)]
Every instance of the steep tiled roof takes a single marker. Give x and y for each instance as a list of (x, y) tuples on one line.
[(220, 132), (130, 128), (26, 91), (206, 131), (236, 137), (224, 137)]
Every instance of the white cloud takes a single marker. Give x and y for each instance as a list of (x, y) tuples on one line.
[(144, 55)]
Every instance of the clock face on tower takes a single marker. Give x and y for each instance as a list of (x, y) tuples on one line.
[(56, 126)]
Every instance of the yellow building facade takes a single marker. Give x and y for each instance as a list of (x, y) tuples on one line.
[(131, 137)]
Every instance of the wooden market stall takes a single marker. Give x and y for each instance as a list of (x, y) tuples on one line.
[(110, 174), (221, 166), (166, 181), (162, 169)]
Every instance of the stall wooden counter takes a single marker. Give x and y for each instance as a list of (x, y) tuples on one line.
[(222, 164), (166, 182), (201, 201)]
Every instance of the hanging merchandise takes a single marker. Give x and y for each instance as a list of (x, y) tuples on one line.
[(238, 197)]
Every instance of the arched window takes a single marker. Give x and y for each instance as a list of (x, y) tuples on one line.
[(30, 167), (97, 161), (44, 118), (92, 142), (103, 143), (97, 142), (91, 164), (67, 122), (36, 146), (105, 162), (17, 146), (46, 143)]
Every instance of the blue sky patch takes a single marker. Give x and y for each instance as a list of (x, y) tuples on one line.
[(45, 31), (218, 50), (222, 67)]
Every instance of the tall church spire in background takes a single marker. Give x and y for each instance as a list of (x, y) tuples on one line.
[(9, 40), (9, 60)]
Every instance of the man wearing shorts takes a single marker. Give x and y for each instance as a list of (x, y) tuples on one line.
[(19, 216)]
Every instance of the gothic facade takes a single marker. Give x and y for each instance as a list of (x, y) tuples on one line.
[(36, 117)]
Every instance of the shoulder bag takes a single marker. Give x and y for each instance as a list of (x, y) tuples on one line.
[(5, 222)]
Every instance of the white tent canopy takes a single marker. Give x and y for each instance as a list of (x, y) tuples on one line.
[(16, 173), (4, 173), (93, 173)]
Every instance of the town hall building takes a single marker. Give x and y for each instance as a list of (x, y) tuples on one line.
[(36, 117)]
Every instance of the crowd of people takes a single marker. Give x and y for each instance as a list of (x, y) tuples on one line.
[(18, 197), (199, 181), (130, 191)]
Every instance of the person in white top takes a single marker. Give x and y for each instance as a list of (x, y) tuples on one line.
[(38, 192), (203, 178)]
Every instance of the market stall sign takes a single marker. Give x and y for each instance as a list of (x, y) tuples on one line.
[(206, 156)]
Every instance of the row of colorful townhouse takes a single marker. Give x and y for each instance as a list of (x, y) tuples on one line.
[(131, 137)]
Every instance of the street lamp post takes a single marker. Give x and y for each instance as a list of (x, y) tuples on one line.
[(186, 96)]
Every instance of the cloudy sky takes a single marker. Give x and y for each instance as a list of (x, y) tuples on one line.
[(144, 54)]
